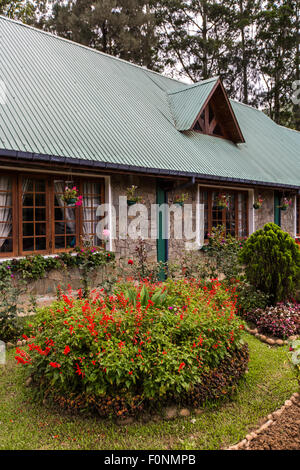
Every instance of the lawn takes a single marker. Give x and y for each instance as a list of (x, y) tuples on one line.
[(25, 424)]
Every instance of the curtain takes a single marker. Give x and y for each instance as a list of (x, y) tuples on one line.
[(90, 202), (5, 212), (69, 213)]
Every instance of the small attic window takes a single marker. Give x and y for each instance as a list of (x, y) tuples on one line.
[(208, 123), (216, 117)]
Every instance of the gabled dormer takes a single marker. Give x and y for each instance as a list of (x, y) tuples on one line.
[(204, 107)]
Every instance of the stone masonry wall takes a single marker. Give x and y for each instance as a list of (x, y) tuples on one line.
[(266, 213)]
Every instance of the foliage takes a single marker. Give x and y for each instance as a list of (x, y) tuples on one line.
[(114, 346), (272, 260), (223, 252), (72, 194), (181, 198), (131, 194), (10, 326), (295, 357), (35, 267), (248, 298), (282, 320)]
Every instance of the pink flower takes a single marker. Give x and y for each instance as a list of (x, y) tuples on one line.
[(106, 233)]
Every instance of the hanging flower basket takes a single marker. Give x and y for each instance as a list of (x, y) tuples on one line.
[(71, 197), (222, 200), (132, 198), (285, 204), (258, 202), (180, 199)]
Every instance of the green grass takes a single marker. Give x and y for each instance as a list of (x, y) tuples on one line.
[(25, 424)]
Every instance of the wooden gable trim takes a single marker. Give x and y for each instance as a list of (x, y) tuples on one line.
[(231, 132)]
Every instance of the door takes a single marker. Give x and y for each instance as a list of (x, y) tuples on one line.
[(161, 242), (277, 213)]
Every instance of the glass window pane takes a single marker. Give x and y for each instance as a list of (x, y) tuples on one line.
[(71, 241), (40, 200), (59, 242), (59, 214), (6, 245), (28, 229), (40, 243), (40, 229), (40, 214), (28, 200), (28, 244), (59, 227), (28, 214)]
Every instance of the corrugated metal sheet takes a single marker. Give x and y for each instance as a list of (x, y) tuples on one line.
[(67, 100), (186, 103)]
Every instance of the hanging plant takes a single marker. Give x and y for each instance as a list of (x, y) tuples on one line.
[(71, 196), (285, 203), (258, 202), (180, 199), (222, 200), (132, 198)]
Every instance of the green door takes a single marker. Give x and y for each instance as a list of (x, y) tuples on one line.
[(277, 214), (162, 242)]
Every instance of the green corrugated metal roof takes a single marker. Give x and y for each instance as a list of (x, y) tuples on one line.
[(64, 99), (186, 103)]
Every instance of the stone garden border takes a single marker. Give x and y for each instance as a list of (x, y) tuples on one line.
[(271, 420), (268, 339)]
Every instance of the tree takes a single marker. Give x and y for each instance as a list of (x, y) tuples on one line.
[(18, 10), (123, 28), (276, 39), (272, 262)]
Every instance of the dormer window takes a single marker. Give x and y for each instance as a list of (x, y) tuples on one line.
[(204, 107)]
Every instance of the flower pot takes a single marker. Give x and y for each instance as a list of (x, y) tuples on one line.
[(256, 205), (71, 202), (284, 208), (130, 202)]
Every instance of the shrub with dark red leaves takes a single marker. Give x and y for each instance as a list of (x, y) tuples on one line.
[(281, 321)]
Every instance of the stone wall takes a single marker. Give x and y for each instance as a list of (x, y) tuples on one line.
[(266, 213)]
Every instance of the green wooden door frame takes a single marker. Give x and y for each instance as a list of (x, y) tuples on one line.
[(277, 213), (161, 242)]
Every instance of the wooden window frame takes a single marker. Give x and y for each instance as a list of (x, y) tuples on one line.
[(17, 217), (210, 190)]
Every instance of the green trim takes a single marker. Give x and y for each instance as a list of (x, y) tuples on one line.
[(277, 215), (161, 242)]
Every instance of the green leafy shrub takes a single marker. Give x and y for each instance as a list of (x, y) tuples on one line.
[(295, 358), (272, 262), (248, 298), (10, 325), (113, 346)]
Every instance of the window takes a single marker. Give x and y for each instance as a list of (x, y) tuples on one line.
[(234, 217), (35, 219)]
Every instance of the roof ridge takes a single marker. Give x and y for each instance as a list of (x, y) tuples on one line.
[(48, 33), (193, 85)]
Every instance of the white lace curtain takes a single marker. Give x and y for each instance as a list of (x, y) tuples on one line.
[(90, 202), (5, 212)]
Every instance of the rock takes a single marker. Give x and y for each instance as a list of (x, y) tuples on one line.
[(170, 412), (235, 447), (279, 342), (270, 341), (249, 437), (277, 413), (198, 411), (270, 416), (24, 342), (296, 395), (184, 412), (265, 426), (255, 331), (242, 443), (19, 343), (28, 381), (9, 345), (288, 403), (292, 338), (254, 435)]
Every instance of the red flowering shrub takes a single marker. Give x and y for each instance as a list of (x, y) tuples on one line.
[(108, 350)]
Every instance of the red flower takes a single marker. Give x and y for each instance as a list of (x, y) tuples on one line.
[(130, 261), (67, 350), (181, 366), (54, 364)]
